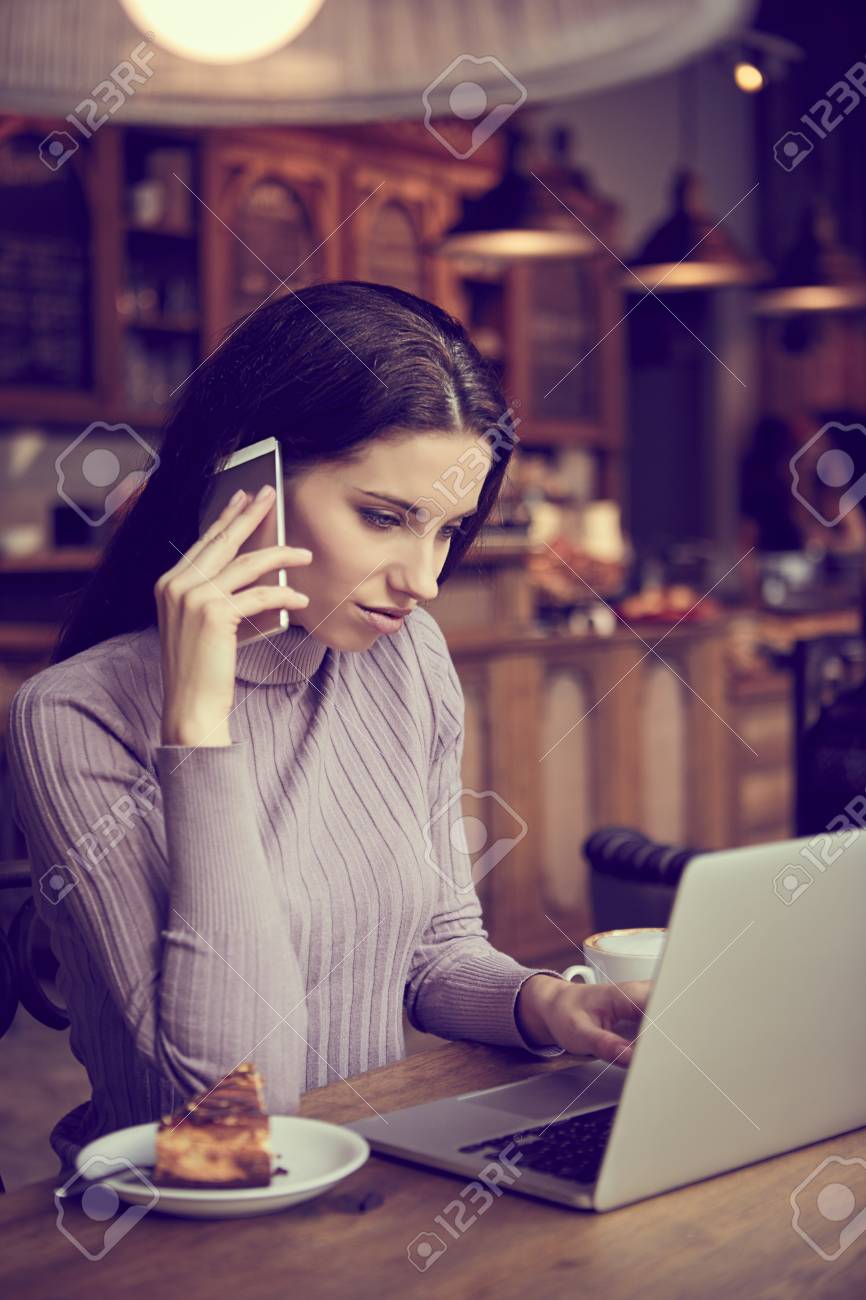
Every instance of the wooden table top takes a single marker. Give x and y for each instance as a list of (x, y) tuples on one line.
[(730, 1235)]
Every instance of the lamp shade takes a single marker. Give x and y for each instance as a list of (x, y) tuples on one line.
[(551, 210), (689, 250), (357, 60), (816, 274)]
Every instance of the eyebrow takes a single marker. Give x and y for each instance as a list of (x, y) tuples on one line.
[(406, 505)]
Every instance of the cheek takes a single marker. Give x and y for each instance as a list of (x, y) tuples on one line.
[(341, 560)]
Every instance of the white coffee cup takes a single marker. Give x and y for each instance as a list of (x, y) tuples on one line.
[(617, 955)]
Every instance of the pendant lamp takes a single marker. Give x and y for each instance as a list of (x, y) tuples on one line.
[(691, 249), (816, 274)]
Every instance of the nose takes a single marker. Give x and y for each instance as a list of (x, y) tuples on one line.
[(416, 579)]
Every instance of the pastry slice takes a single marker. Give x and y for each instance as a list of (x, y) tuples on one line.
[(219, 1139)]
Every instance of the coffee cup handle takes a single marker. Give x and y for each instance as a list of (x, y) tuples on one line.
[(587, 972)]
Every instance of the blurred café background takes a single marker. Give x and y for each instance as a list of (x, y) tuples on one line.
[(650, 214)]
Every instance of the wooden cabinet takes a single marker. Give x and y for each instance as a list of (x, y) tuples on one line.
[(172, 235), (549, 327), (393, 225), (102, 262), (155, 216), (55, 298), (272, 208)]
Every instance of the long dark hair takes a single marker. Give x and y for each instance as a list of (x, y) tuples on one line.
[(324, 371)]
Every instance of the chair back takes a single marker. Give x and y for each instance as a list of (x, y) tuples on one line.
[(633, 879), (27, 963), (825, 668)]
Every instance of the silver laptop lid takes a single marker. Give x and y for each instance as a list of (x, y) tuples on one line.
[(754, 1041)]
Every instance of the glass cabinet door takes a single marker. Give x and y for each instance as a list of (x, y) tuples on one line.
[(393, 254), (45, 234), (276, 242)]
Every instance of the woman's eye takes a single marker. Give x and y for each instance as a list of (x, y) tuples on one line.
[(378, 520)]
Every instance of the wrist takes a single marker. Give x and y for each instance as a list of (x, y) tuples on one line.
[(196, 734), (530, 1011)]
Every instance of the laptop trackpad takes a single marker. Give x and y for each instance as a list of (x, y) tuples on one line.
[(545, 1095)]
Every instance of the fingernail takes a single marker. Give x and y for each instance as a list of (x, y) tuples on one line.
[(263, 492), (237, 497)]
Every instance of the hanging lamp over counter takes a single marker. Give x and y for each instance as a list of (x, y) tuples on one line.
[(548, 212), (816, 274), (690, 249)]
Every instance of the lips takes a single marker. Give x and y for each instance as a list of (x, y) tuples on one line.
[(393, 613), (382, 622)]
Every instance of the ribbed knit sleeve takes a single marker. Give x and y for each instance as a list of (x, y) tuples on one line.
[(459, 985), (169, 889)]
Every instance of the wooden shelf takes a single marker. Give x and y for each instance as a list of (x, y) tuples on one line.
[(147, 417), (27, 638), (163, 324), (55, 405), (164, 232), (63, 559)]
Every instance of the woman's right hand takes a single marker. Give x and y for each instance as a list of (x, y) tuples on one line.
[(199, 609)]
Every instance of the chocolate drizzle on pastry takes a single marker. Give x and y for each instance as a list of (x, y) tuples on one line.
[(220, 1138)]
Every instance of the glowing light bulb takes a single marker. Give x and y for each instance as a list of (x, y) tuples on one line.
[(748, 77), (211, 32)]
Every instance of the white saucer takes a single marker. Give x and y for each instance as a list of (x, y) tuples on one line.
[(316, 1155)]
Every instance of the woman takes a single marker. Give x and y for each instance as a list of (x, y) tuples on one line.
[(248, 832), (773, 520)]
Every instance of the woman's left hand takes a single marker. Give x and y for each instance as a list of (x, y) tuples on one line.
[(581, 1017)]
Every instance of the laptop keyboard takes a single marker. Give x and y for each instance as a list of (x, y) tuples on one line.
[(571, 1148)]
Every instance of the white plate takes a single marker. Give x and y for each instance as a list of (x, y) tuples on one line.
[(316, 1155)]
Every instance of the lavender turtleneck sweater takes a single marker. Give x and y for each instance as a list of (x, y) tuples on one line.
[(268, 900)]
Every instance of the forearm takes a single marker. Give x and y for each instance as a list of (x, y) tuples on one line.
[(229, 973), (466, 988)]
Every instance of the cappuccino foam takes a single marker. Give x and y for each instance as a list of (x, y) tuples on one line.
[(630, 945)]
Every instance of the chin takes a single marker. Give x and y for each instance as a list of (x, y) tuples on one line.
[(357, 639), (348, 636)]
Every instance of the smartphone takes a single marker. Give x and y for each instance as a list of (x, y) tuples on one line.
[(251, 468)]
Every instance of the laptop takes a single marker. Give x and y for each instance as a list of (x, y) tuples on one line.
[(753, 1043)]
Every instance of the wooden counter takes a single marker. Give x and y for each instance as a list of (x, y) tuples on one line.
[(566, 733)]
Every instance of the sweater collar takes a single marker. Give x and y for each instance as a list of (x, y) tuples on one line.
[(292, 657)]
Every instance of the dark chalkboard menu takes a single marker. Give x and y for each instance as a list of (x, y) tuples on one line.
[(45, 313)]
